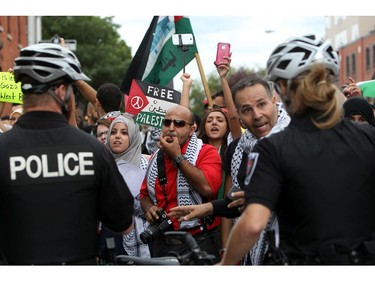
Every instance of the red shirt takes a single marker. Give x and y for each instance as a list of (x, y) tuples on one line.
[(208, 161)]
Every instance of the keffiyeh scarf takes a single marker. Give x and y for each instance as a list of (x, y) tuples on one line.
[(131, 241), (246, 144), (186, 195)]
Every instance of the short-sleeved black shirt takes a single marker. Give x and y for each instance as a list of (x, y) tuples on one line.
[(320, 182)]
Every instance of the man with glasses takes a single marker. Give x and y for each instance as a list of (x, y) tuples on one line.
[(183, 171)]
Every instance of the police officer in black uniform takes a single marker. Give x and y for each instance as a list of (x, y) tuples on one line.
[(57, 182), (317, 174)]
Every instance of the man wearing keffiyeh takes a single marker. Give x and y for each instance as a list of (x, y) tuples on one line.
[(193, 176), (262, 116)]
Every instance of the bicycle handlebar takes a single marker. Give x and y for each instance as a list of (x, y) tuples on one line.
[(130, 260), (195, 256)]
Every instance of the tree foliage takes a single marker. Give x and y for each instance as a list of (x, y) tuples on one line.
[(104, 56)]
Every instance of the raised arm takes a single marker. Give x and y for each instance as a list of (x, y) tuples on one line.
[(352, 90), (186, 86), (88, 92), (234, 122)]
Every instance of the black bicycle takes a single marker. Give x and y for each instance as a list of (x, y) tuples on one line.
[(195, 256)]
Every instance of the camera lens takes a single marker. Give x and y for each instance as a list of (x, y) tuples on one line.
[(145, 238), (154, 230), (150, 233)]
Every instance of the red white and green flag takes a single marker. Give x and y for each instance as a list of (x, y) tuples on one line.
[(157, 60)]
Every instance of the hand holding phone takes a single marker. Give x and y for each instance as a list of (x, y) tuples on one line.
[(223, 50)]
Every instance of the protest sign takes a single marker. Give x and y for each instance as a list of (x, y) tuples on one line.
[(149, 102), (10, 91)]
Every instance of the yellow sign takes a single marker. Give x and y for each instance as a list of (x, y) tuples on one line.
[(10, 91)]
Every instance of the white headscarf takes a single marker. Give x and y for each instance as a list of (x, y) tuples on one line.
[(134, 152), (132, 167)]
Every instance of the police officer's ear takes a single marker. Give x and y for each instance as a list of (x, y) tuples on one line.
[(60, 91), (64, 92)]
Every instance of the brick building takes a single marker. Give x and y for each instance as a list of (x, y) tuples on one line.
[(354, 38), (13, 37), (16, 32), (358, 59)]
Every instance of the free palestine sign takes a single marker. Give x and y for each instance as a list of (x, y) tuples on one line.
[(149, 102)]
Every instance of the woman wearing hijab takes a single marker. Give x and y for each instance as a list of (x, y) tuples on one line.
[(359, 110), (124, 142)]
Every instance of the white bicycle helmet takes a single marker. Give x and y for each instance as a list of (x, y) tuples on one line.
[(296, 55), (47, 62)]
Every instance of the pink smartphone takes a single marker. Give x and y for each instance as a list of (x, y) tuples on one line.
[(223, 50)]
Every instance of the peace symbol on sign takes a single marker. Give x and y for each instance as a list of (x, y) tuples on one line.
[(137, 102)]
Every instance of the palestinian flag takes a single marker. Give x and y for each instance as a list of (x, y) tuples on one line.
[(157, 60), (367, 88)]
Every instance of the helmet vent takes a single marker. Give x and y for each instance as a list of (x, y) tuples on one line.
[(301, 50), (75, 68), (283, 64), (42, 73), (278, 50), (330, 52)]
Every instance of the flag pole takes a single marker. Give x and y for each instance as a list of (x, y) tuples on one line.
[(204, 81)]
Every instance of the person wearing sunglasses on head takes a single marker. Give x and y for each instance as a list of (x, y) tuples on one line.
[(183, 171)]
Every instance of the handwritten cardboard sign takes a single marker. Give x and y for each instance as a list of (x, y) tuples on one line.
[(10, 91)]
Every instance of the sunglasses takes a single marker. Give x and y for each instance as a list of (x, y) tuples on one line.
[(177, 123)]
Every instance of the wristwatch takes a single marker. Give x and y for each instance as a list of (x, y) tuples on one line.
[(176, 162)]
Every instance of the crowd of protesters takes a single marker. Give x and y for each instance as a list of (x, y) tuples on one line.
[(279, 170)]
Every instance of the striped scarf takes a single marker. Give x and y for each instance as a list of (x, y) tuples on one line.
[(246, 144), (131, 241), (186, 195)]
